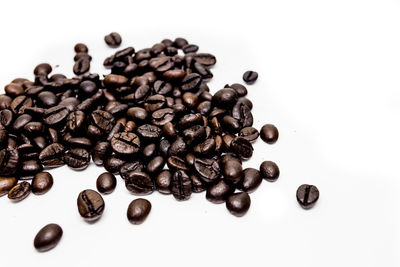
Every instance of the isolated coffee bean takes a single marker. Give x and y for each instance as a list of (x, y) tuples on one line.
[(307, 195), (139, 183), (269, 133), (238, 203), (48, 237), (181, 186), (106, 183), (138, 210), (6, 183), (251, 180), (90, 205), (42, 183), (269, 171), (250, 77), (77, 158), (242, 147), (249, 133), (219, 192), (125, 143), (19, 191), (52, 155), (113, 39)]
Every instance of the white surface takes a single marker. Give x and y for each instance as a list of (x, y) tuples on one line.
[(328, 79)]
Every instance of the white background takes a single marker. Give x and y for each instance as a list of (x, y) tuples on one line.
[(328, 79)]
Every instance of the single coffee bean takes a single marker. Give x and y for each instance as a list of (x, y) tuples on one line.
[(114, 81), (106, 183), (249, 133), (42, 183), (190, 48), (43, 68), (157, 48), (154, 103), (240, 89), (81, 48), (48, 237), (162, 87), (205, 59), (230, 124), (9, 158), (269, 133), (149, 132), (77, 158), (149, 151), (194, 134), (6, 183), (99, 153), (225, 98), (5, 102), (190, 120), (232, 170), (307, 195), (174, 75), (55, 115), (251, 180), (138, 210), (113, 39), (29, 168), (90, 205), (238, 203), (14, 89), (164, 147), (243, 114), (81, 66), (162, 116), (155, 165), (169, 130), (52, 155), (137, 114), (161, 63), (20, 103), (242, 147), (250, 77), (177, 163), (190, 82), (139, 183), (163, 182), (198, 185), (269, 171), (19, 191), (180, 42), (113, 163), (21, 121), (33, 128), (181, 186), (47, 99), (178, 147), (207, 169), (103, 120), (219, 192), (125, 143)]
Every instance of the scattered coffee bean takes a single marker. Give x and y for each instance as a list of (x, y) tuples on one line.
[(138, 210), (307, 195), (269, 133), (238, 203), (269, 171), (19, 191), (42, 183), (113, 39), (90, 205), (251, 180), (48, 237), (250, 77), (106, 183)]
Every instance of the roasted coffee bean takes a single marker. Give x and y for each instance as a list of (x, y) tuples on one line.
[(157, 49), (55, 115), (149, 132), (100, 151), (249, 133), (70, 103), (128, 167), (106, 183), (139, 183), (161, 63), (19, 191), (178, 147), (154, 102), (103, 120), (177, 163), (174, 75), (243, 114), (137, 114), (162, 116), (250, 77), (194, 134), (33, 90), (90, 205), (6, 117), (197, 184), (47, 99), (28, 169), (20, 103), (42, 183), (48, 237), (251, 180), (88, 88), (162, 87), (113, 164), (6, 183), (9, 158), (169, 130), (207, 169), (238, 203), (190, 100), (81, 66), (232, 170), (114, 81), (163, 182), (33, 127), (181, 186), (190, 120), (52, 155), (225, 98), (307, 195), (171, 51), (14, 89), (269, 171), (180, 42), (218, 193), (269, 133), (242, 147), (155, 165), (77, 158), (205, 148), (190, 82), (142, 93), (205, 59), (240, 89), (138, 210), (125, 143), (204, 107), (230, 124), (5, 102), (21, 121), (113, 39), (190, 48), (43, 68), (149, 151), (164, 147), (76, 120), (81, 48)]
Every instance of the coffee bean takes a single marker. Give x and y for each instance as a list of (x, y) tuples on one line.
[(232, 170), (157, 49), (180, 42), (9, 158), (243, 114), (47, 99), (174, 75), (162, 87), (269, 133), (48, 237), (269, 171), (137, 114), (138, 210), (219, 192), (55, 115), (190, 48), (164, 147), (178, 147), (225, 98), (100, 151), (6, 117), (177, 163), (240, 89), (103, 120), (14, 89), (230, 124), (6, 183), (113, 81), (76, 120), (190, 82), (81, 66), (205, 59), (20, 103), (242, 147), (19, 191), (163, 182), (190, 120), (29, 168), (52, 155), (90, 205), (250, 77), (42, 183), (5, 102), (128, 167), (181, 186), (33, 128), (155, 165), (149, 132), (113, 39), (125, 143), (207, 169), (77, 158), (169, 130), (154, 103), (106, 183), (21, 121), (113, 164), (249, 133), (162, 116), (149, 151), (307, 195), (251, 180), (194, 134), (161, 63), (43, 68), (238, 203), (139, 183), (81, 48)]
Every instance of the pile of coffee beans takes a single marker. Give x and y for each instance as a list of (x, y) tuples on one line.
[(152, 120)]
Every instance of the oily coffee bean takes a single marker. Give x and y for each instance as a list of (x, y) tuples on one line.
[(269, 133), (20, 103), (190, 100), (240, 89), (90, 205), (269, 171), (307, 195), (55, 115), (157, 48), (251, 180), (33, 128), (125, 143), (250, 77), (106, 183), (161, 63), (138, 210), (207, 169), (238, 203), (76, 120), (5, 102), (149, 132), (164, 147), (47, 99), (149, 151), (194, 134), (139, 183), (48, 237), (88, 88), (219, 192), (19, 191), (190, 120), (6, 117), (103, 120), (113, 39), (197, 184), (178, 147), (242, 147), (29, 168), (114, 81), (249, 133), (21, 121), (6, 183), (81, 48), (9, 158), (155, 165), (128, 167), (243, 114), (81, 66), (163, 182), (113, 164), (181, 186), (77, 158), (174, 75), (230, 124), (137, 114), (43, 68), (42, 183), (190, 82), (169, 130), (162, 87), (52, 155), (154, 102), (180, 42), (177, 163), (142, 93), (232, 170), (99, 153), (225, 98)]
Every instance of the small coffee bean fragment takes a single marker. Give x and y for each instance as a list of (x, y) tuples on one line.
[(238, 203), (106, 183), (269, 133), (138, 210), (90, 205), (42, 183), (250, 77), (48, 237), (269, 171), (307, 195), (113, 39)]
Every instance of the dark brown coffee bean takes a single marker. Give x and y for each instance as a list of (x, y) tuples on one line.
[(149, 151), (190, 48), (6, 117), (81, 48), (29, 168), (164, 147), (162, 87), (138, 210), (14, 89), (162, 116), (190, 100), (90, 205), (251, 180), (205, 148), (113, 163), (5, 102), (174, 75), (230, 124), (178, 147), (33, 128), (6, 183), (149, 132), (269, 171), (47, 99), (43, 68), (155, 165), (307, 195), (48, 237), (76, 120), (77, 158), (139, 183), (219, 192), (113, 39), (190, 82), (113, 81), (180, 42), (128, 167), (19, 191), (100, 152), (103, 120), (157, 49), (20, 103), (181, 186), (205, 59), (269, 133), (163, 182), (238, 203), (52, 155), (106, 183), (225, 98), (142, 93), (242, 147), (243, 114), (21, 121), (249, 133), (9, 158), (177, 163), (194, 134), (232, 170), (190, 120), (42, 183), (240, 89), (207, 169), (169, 130), (154, 103), (125, 143), (161, 63), (250, 77), (81, 66), (137, 114), (55, 115)]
